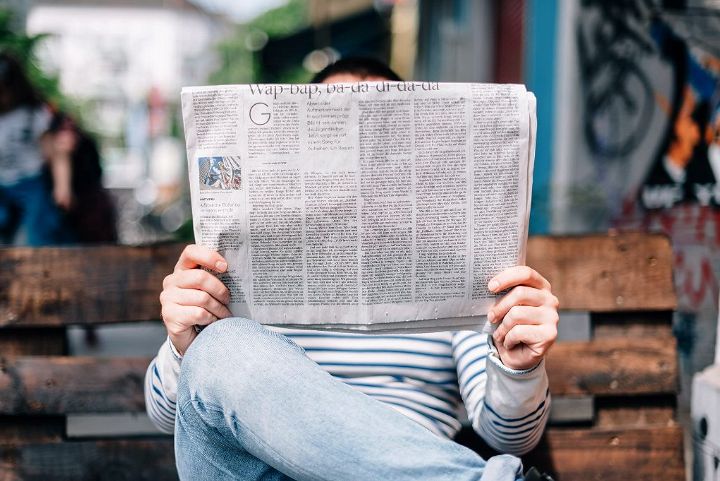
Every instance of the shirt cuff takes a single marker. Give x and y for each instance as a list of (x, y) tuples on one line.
[(176, 354), (514, 393)]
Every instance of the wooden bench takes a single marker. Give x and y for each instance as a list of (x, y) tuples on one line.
[(614, 386), (613, 372)]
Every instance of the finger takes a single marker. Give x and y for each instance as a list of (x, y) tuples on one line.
[(518, 296), (194, 297), (518, 276), (537, 338), (200, 256), (179, 319), (517, 315), (200, 316), (202, 280)]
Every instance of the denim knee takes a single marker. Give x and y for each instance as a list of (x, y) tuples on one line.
[(226, 335), (229, 354)]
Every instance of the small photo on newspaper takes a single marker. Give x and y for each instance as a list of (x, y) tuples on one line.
[(219, 173), (363, 207)]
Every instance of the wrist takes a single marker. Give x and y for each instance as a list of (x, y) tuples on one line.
[(509, 367), (179, 343), (523, 367), (515, 370), (174, 350)]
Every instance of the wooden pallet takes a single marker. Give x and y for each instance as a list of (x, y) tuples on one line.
[(614, 392)]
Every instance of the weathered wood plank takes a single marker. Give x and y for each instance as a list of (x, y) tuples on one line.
[(633, 325), (643, 411), (624, 272), (611, 454), (118, 460), (64, 385), (14, 429), (569, 454), (59, 286), (105, 284), (31, 342), (613, 367)]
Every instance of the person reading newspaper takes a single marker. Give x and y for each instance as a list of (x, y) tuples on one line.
[(251, 402)]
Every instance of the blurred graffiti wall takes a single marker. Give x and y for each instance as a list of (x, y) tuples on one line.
[(637, 141)]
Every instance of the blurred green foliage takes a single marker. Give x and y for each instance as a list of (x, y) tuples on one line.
[(240, 64), (237, 63), (284, 20), (23, 48), (185, 232)]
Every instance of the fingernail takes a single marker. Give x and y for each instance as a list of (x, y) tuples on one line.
[(491, 316), (221, 266), (493, 285)]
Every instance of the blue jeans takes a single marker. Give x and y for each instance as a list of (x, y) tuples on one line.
[(252, 406), (28, 204)]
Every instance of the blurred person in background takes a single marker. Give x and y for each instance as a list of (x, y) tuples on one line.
[(50, 173), (74, 175), (25, 147), (89, 209)]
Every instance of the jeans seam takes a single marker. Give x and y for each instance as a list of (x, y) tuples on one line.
[(256, 438)]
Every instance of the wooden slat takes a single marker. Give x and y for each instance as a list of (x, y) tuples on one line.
[(636, 412), (611, 455), (60, 286), (118, 460), (633, 325), (601, 273), (613, 367), (623, 417), (31, 342), (63, 385), (14, 429), (569, 454)]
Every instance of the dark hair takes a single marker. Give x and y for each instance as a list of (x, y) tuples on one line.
[(19, 92), (361, 66), (86, 171)]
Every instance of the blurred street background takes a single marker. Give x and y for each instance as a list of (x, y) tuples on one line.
[(628, 102)]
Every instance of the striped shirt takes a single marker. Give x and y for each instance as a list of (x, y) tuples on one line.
[(436, 379)]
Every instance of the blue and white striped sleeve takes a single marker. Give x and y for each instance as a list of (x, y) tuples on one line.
[(507, 408), (161, 387)]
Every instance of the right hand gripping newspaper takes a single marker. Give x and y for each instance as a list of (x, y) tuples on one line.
[(364, 207)]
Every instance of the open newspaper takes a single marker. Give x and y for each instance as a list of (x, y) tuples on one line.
[(373, 206)]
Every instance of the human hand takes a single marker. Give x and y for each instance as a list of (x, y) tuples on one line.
[(192, 296), (527, 317), (63, 196)]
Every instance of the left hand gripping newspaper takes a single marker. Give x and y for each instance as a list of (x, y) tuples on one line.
[(371, 206)]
